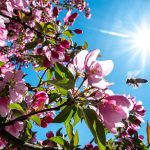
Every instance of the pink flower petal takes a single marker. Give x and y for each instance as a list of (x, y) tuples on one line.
[(79, 60), (107, 66)]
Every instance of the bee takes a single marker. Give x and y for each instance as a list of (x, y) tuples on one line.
[(135, 81)]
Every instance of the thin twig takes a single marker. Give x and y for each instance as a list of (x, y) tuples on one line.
[(42, 77), (24, 117), (79, 87)]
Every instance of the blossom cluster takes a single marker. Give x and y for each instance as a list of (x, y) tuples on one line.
[(33, 34)]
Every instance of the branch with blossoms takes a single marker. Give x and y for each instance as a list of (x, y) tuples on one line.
[(70, 87)]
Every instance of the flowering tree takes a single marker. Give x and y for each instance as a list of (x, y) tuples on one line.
[(71, 81)]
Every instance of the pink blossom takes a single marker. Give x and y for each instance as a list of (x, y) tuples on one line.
[(40, 99), (67, 16), (65, 44), (2, 143), (4, 109), (53, 55), (141, 137), (112, 110), (17, 87), (15, 129), (95, 70), (7, 66), (3, 33), (37, 14), (70, 18), (19, 4)]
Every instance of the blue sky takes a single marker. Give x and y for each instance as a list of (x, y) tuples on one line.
[(121, 16)]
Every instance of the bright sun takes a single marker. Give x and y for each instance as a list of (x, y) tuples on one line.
[(140, 42)]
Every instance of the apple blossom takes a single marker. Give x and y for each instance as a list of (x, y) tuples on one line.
[(40, 98), (4, 109), (94, 70), (16, 85), (19, 4), (116, 106), (3, 32), (15, 129)]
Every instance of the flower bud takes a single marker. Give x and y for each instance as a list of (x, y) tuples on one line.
[(65, 44), (49, 134), (73, 16), (55, 11), (78, 31), (48, 118), (43, 123)]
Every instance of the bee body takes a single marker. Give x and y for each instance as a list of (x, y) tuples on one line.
[(136, 81)]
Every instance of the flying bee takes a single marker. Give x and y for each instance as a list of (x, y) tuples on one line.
[(133, 80), (136, 81)]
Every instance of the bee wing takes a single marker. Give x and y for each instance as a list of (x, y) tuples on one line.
[(140, 80), (133, 73)]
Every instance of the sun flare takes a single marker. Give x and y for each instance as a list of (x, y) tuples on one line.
[(140, 43), (141, 40)]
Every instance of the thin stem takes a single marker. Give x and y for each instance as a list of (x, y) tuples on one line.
[(93, 102), (24, 117), (42, 77), (86, 90), (79, 87)]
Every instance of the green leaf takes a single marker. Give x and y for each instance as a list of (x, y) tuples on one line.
[(39, 26), (63, 115), (58, 140), (61, 90), (68, 33), (49, 74), (31, 45), (50, 26), (16, 106), (63, 83), (69, 130), (38, 58), (36, 119), (76, 118), (27, 135), (71, 115), (76, 139), (39, 68), (50, 41), (28, 124), (95, 126), (1, 63), (100, 134), (63, 71), (85, 46), (53, 96)]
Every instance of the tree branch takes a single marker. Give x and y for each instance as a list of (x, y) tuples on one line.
[(24, 117), (21, 144), (24, 24)]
